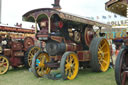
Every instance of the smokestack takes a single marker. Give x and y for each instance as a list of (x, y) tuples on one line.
[(56, 5), (0, 9)]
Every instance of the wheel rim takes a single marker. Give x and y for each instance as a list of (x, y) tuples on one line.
[(71, 66), (104, 55), (41, 69), (28, 42), (4, 64), (31, 54), (123, 65)]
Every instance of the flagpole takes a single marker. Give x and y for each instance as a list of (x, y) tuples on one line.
[(0, 9)]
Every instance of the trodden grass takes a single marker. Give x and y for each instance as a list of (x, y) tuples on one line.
[(85, 77)]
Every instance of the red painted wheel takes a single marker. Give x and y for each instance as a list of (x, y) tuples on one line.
[(88, 35), (121, 66), (28, 42)]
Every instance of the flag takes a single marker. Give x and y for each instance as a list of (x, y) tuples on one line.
[(115, 16), (97, 17), (109, 16), (104, 17), (92, 18)]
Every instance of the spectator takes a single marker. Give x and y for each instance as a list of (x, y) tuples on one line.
[(113, 49)]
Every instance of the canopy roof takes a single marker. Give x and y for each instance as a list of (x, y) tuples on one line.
[(117, 6), (33, 16)]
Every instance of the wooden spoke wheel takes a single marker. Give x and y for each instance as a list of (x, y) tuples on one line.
[(30, 54), (100, 54), (69, 65), (4, 64), (28, 42), (39, 68), (121, 66)]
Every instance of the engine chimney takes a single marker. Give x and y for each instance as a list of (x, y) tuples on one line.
[(56, 5)]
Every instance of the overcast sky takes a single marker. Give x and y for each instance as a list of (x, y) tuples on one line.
[(12, 10)]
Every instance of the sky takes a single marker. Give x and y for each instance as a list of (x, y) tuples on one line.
[(12, 10)]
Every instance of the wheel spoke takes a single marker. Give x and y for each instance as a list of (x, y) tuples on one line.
[(31, 54), (100, 46), (42, 71), (0, 68), (30, 59), (123, 67), (4, 67), (103, 45), (99, 49), (106, 53), (66, 60), (101, 65), (105, 62), (67, 66), (71, 59), (37, 67), (4, 63), (70, 72), (3, 60), (66, 71)]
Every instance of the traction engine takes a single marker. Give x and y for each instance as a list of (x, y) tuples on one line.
[(69, 43), (12, 52)]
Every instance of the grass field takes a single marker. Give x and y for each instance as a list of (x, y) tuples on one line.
[(85, 77)]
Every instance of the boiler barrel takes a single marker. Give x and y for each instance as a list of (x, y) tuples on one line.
[(54, 48)]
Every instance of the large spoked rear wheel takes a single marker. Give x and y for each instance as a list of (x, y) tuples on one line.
[(4, 64), (69, 65), (100, 55), (29, 55), (39, 60), (121, 66)]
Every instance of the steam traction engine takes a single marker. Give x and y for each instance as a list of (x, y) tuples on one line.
[(12, 51), (70, 42), (121, 65)]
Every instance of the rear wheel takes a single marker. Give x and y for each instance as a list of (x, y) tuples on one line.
[(100, 54), (69, 65), (28, 42), (29, 55), (39, 68), (4, 64), (121, 66)]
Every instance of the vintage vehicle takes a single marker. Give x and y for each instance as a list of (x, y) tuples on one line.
[(121, 66), (14, 51), (70, 42)]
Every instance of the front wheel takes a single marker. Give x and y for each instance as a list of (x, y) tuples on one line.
[(4, 64), (39, 60), (69, 65)]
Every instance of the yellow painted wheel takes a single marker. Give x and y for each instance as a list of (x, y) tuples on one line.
[(100, 54), (69, 65), (38, 64), (4, 64), (30, 54)]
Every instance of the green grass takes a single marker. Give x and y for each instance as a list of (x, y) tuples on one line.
[(85, 77)]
